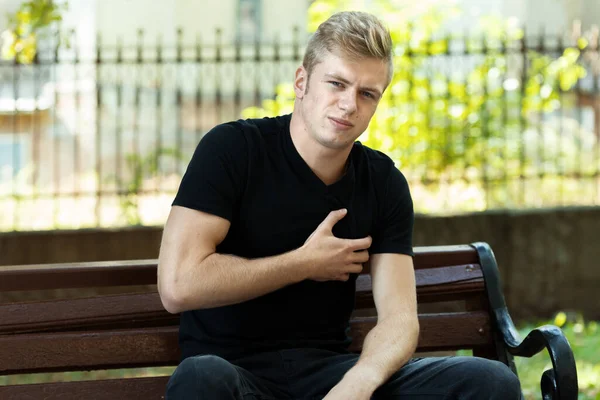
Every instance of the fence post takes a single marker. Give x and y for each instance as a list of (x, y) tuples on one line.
[(99, 111)]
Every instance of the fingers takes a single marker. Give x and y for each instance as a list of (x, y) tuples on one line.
[(351, 269), (355, 268), (344, 277), (359, 244), (360, 256), (333, 218)]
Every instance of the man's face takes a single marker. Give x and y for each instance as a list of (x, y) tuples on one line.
[(339, 98)]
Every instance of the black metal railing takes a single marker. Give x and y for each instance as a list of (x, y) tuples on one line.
[(101, 137)]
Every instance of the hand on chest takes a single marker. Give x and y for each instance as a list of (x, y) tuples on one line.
[(279, 221)]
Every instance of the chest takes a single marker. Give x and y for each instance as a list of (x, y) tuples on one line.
[(278, 213)]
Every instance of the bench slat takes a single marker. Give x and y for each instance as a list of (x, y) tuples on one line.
[(128, 348), (77, 275), (455, 282), (145, 309), (449, 331), (436, 256), (158, 346), (143, 272), (107, 389)]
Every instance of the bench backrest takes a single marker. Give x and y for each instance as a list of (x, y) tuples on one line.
[(108, 315)]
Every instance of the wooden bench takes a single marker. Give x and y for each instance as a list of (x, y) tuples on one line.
[(461, 306)]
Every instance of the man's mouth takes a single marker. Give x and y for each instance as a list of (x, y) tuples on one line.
[(342, 123)]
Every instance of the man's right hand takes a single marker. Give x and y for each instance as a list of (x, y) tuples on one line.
[(330, 258)]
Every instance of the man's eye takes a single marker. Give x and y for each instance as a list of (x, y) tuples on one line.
[(369, 95), (336, 84)]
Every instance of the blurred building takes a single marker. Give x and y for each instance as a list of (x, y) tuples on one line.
[(141, 77)]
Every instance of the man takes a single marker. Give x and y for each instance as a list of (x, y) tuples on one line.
[(274, 220)]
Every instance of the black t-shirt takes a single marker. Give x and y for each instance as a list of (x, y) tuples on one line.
[(250, 173)]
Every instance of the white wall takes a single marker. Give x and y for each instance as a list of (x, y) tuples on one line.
[(122, 18), (549, 16), (553, 16), (204, 17), (116, 18), (280, 16), (80, 17), (7, 7)]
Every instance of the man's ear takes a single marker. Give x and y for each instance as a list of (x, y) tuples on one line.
[(300, 82)]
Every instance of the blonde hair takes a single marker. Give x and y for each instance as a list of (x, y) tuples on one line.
[(352, 35)]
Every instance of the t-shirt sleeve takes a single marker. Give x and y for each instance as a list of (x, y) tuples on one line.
[(215, 177), (394, 228)]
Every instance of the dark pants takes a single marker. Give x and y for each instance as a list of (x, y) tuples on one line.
[(307, 374)]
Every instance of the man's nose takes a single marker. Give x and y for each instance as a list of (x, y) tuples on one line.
[(347, 102)]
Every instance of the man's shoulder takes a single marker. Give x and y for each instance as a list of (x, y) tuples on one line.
[(375, 159), (380, 169), (251, 129), (268, 125)]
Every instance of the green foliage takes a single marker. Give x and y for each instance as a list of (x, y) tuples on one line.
[(440, 124), (29, 23)]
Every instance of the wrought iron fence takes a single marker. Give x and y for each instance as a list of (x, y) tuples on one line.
[(101, 137)]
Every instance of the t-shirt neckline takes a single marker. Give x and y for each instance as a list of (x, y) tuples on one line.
[(340, 187)]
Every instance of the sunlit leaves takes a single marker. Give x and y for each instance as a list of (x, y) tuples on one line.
[(439, 122), (30, 21)]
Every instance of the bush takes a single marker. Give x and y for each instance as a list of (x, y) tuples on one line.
[(471, 124)]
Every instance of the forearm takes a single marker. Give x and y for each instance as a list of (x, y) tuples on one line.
[(191, 274), (220, 280), (386, 348)]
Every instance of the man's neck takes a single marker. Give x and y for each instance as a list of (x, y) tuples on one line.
[(329, 165)]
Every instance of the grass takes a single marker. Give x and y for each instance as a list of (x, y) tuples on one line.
[(584, 338), (585, 341), (84, 375)]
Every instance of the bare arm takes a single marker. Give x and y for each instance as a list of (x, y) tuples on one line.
[(391, 343), (191, 275)]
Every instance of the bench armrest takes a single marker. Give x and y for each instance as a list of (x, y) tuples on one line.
[(560, 382)]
